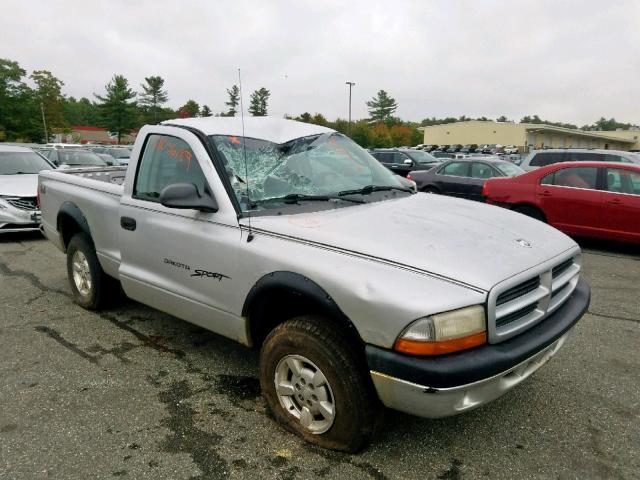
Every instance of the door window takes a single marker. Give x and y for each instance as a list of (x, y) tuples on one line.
[(399, 158), (385, 157), (481, 170), (455, 169), (622, 181), (579, 177), (166, 160), (546, 158), (583, 157)]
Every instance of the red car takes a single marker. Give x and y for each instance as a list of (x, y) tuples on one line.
[(590, 199)]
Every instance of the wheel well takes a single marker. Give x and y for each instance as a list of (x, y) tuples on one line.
[(429, 187), (71, 221), (530, 206), (271, 303)]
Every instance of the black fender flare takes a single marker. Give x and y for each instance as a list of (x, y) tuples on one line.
[(69, 209), (297, 284)]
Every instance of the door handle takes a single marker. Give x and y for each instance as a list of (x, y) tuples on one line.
[(128, 223), (545, 193), (614, 201)]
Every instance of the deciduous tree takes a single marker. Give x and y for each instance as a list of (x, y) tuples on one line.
[(189, 109), (48, 94)]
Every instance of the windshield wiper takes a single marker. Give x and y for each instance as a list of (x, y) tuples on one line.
[(18, 173), (369, 189), (296, 197)]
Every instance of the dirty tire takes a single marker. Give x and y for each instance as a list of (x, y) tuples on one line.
[(432, 190), (530, 212), (103, 290), (327, 346)]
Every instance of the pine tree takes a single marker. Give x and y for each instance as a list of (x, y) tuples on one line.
[(117, 111), (153, 96), (234, 98), (381, 107), (258, 102), (205, 111)]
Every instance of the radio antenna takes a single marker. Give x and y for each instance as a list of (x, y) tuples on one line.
[(244, 156)]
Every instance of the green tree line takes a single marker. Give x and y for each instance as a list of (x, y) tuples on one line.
[(26, 109)]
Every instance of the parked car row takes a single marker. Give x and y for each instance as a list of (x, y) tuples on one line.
[(19, 168), (592, 193), (488, 148)]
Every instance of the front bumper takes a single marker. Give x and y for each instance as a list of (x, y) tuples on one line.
[(16, 220), (451, 384)]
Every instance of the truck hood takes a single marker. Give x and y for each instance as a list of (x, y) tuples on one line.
[(19, 185), (469, 242)]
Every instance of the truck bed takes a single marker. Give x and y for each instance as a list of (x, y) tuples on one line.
[(96, 192), (114, 175)]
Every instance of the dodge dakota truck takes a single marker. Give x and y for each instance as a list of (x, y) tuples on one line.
[(289, 237)]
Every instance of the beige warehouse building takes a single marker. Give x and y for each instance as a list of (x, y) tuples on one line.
[(527, 136)]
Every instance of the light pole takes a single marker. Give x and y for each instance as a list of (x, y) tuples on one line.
[(44, 122), (351, 84)]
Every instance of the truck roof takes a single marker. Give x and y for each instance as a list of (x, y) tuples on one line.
[(14, 148), (272, 129)]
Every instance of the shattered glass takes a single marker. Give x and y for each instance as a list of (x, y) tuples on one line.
[(316, 165)]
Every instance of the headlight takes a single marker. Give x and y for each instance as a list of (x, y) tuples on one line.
[(444, 332)]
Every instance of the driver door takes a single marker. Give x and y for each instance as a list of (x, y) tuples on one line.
[(181, 261)]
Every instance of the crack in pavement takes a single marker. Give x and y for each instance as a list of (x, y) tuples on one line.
[(613, 317), (33, 280), (50, 332)]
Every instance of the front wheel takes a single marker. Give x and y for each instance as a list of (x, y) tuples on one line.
[(432, 190), (316, 386)]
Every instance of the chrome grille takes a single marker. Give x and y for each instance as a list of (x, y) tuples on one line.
[(23, 203), (519, 303), (560, 269), (512, 317), (518, 291)]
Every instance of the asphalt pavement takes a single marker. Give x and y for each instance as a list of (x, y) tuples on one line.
[(135, 393)]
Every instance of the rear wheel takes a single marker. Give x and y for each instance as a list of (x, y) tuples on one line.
[(529, 211), (315, 384), (91, 287)]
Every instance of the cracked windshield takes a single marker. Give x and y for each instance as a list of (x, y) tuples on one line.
[(326, 166)]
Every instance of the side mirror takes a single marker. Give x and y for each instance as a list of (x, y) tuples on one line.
[(186, 196), (408, 162)]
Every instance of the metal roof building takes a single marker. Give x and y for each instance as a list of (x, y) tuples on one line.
[(526, 136)]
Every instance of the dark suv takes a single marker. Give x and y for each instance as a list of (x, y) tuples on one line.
[(402, 161)]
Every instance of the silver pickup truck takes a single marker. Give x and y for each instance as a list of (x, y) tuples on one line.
[(290, 238)]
